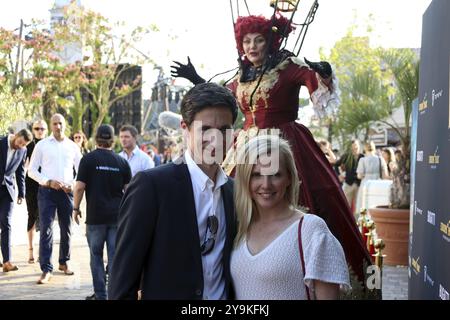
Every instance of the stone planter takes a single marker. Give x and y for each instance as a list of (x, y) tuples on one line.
[(392, 225)]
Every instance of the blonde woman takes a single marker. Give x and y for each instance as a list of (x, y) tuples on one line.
[(266, 262)]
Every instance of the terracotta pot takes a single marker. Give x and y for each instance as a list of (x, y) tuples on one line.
[(392, 225)]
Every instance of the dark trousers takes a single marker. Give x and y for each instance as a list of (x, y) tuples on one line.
[(97, 236), (51, 201), (32, 208), (6, 207)]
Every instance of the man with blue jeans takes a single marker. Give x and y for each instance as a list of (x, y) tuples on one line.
[(104, 176), (57, 156)]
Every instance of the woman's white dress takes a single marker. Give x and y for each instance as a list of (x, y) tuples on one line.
[(369, 166), (275, 273)]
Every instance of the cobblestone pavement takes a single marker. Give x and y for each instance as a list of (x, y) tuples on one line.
[(21, 284)]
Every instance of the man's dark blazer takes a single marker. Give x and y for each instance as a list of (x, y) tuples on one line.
[(16, 166), (158, 239)]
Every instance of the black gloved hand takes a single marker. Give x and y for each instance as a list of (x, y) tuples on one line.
[(186, 71), (323, 68)]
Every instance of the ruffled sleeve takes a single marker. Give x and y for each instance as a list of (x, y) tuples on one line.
[(325, 100), (323, 254)]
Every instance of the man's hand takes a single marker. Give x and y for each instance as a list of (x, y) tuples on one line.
[(55, 184), (76, 214), (187, 71), (19, 201), (67, 188)]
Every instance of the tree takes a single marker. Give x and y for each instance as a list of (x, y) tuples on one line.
[(364, 86), (403, 65), (366, 101), (108, 57)]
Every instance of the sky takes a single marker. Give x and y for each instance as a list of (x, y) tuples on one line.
[(202, 29)]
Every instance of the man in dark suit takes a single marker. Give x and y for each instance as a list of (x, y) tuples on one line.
[(13, 153), (176, 222)]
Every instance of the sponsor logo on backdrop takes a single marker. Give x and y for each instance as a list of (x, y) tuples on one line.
[(443, 294), (423, 105), (419, 156), (426, 276), (436, 95), (415, 265), (431, 218), (417, 209), (445, 229), (434, 159)]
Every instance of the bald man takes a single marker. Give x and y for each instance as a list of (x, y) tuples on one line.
[(58, 157)]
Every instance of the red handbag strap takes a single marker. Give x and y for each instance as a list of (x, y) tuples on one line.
[(302, 258)]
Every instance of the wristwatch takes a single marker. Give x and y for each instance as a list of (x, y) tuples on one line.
[(76, 209)]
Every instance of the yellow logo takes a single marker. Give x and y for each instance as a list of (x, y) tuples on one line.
[(415, 264), (424, 104), (445, 228), (434, 158)]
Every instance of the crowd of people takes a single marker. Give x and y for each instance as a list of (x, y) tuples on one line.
[(260, 216), (45, 168), (355, 169)]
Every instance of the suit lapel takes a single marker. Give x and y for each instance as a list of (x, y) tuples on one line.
[(228, 204), (13, 160), (227, 196)]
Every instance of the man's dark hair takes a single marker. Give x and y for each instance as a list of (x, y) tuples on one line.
[(25, 134), (206, 95), (129, 128), (104, 143)]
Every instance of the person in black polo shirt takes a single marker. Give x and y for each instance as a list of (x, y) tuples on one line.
[(104, 175)]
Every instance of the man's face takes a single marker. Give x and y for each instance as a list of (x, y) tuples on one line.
[(58, 124), (127, 140), (210, 135), (355, 148), (19, 142), (39, 130)]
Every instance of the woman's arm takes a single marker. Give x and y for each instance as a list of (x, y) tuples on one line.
[(326, 291), (360, 170)]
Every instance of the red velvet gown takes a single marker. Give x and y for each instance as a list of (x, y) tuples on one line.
[(276, 104)]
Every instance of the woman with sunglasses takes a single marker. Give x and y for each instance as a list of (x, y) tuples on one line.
[(280, 252), (39, 130), (80, 139)]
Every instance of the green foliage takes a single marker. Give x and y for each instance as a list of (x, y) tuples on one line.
[(47, 85), (13, 107)]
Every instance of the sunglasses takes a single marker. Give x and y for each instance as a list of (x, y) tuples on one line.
[(208, 243), (39, 129), (77, 137)]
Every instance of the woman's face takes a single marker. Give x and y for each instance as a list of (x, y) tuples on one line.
[(268, 185), (78, 138), (255, 45)]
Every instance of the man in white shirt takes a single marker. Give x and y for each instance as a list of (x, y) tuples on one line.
[(176, 222), (57, 156), (137, 159)]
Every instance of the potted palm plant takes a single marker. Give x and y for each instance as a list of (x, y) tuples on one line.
[(392, 221)]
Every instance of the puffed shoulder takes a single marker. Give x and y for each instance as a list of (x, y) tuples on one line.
[(315, 223)]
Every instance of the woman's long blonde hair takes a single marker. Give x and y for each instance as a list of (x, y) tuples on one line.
[(265, 145)]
